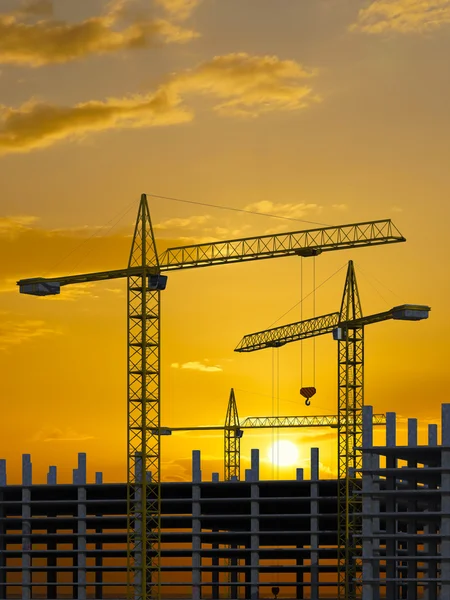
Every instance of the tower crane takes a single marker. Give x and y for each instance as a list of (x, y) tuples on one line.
[(347, 327), (145, 282), (233, 431)]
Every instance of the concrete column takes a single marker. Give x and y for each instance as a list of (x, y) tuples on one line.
[(430, 547), (138, 474), (432, 434), (52, 476), (411, 528), (2, 541), (445, 504), (368, 584), (99, 478), (391, 429), (82, 497), (299, 474), (391, 463), (376, 527), (215, 559), (254, 527), (314, 524), (2, 471), (26, 526), (196, 526), (299, 575)]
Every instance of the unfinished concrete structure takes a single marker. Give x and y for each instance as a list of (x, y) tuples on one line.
[(242, 538)]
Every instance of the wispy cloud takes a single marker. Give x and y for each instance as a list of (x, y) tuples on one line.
[(244, 85), (402, 16), (293, 210), (17, 332), (49, 41), (340, 207), (396, 209), (60, 435), (198, 366), (179, 9), (15, 225), (178, 223)]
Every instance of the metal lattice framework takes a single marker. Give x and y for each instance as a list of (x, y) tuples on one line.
[(350, 408), (299, 243), (144, 458), (232, 441), (145, 282)]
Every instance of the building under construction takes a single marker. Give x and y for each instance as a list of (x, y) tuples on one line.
[(369, 532), (240, 539)]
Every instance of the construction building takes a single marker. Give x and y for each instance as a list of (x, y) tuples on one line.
[(239, 539)]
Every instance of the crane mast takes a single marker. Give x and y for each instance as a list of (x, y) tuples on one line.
[(347, 327), (144, 284)]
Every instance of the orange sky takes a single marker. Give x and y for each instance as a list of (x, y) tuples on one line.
[(333, 112)]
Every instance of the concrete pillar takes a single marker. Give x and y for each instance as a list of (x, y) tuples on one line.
[(411, 528), (368, 583), (432, 435), (2, 531), (314, 524), (52, 576), (412, 432), (299, 474), (391, 463), (81, 551), (52, 476), (215, 559), (215, 478), (138, 475), (367, 428), (299, 575), (445, 504), (26, 526), (2, 471), (196, 526), (99, 478), (376, 527), (254, 527), (391, 429), (248, 475)]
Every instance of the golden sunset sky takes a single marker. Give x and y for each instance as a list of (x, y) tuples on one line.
[(324, 111)]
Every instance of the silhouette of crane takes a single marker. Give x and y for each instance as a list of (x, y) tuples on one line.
[(145, 282), (347, 327)]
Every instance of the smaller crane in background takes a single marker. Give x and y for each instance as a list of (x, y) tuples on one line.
[(347, 327)]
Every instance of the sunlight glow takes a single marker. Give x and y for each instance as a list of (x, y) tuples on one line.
[(283, 453)]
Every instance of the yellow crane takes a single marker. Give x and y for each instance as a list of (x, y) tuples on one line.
[(145, 282), (347, 327)]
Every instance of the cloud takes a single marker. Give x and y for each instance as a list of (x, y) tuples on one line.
[(49, 41), (38, 125), (340, 207), (396, 209), (15, 225), (245, 85), (60, 435), (179, 9), (402, 16), (178, 223), (294, 211), (197, 366), (17, 332)]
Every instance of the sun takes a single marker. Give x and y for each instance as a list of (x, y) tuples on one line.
[(283, 453)]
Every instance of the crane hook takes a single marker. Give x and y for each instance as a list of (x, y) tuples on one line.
[(307, 393)]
